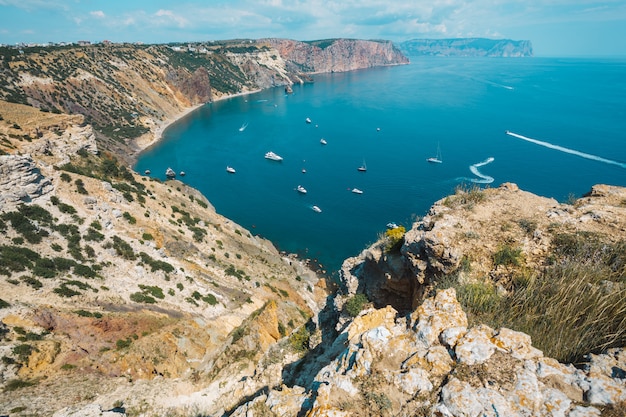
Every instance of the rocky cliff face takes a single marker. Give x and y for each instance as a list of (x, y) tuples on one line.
[(467, 47), (336, 55)]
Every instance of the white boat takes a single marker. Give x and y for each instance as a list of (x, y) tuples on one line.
[(169, 173), (274, 157), (363, 167), (357, 191), (301, 189), (316, 209), (182, 173), (391, 225), (147, 172), (323, 141), (243, 127), (307, 120), (230, 170), (436, 159)]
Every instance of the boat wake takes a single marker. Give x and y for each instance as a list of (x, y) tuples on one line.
[(567, 150), (482, 178)]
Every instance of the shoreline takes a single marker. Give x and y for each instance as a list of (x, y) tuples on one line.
[(155, 135)]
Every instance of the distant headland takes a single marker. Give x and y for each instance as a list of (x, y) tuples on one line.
[(467, 47)]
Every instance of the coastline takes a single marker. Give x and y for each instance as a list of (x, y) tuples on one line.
[(143, 142)]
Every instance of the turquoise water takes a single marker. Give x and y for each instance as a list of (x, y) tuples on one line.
[(393, 119)]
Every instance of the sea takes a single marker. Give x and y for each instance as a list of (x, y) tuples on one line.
[(553, 126)]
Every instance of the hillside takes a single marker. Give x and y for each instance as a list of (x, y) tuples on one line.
[(127, 92), (467, 47), (121, 295)]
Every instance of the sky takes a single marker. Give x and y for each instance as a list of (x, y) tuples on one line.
[(555, 27)]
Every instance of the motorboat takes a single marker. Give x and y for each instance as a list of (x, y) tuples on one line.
[(169, 173), (308, 120), (323, 141), (274, 157), (243, 127), (301, 189), (357, 191), (316, 209), (182, 173), (230, 170), (391, 225), (147, 172)]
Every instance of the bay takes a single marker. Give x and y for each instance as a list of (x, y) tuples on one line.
[(393, 119)]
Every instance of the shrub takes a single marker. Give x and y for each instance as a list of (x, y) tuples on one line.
[(355, 304), (65, 177), (92, 234), (210, 299), (147, 236), (154, 291), (123, 249), (15, 384), (140, 297), (4, 304), (129, 217), (32, 281), (507, 256), (395, 238), (299, 340), (80, 186)]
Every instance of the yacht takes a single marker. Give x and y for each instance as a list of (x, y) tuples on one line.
[(357, 191), (316, 209), (307, 120), (323, 141), (301, 189), (230, 170), (169, 173), (436, 159), (274, 157)]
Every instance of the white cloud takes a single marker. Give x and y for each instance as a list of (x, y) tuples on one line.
[(173, 17), (99, 14)]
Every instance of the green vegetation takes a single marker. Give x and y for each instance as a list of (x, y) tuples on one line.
[(581, 293), (508, 256), (394, 238), (355, 304), (155, 265), (466, 196), (299, 340)]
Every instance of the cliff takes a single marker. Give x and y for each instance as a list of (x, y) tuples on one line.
[(336, 55), (467, 47)]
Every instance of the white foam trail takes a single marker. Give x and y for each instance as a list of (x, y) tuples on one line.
[(567, 150), (484, 179)]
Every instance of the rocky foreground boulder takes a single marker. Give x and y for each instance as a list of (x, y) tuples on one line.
[(430, 363)]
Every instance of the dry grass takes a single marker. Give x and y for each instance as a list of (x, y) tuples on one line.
[(573, 307)]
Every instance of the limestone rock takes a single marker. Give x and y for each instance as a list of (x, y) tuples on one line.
[(21, 181)]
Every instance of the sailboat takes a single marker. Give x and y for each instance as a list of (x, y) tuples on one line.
[(363, 167), (436, 159)]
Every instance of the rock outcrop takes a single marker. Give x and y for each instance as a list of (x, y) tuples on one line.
[(467, 47), (430, 363), (465, 230), (20, 180)]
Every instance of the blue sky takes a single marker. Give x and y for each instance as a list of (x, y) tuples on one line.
[(555, 27)]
